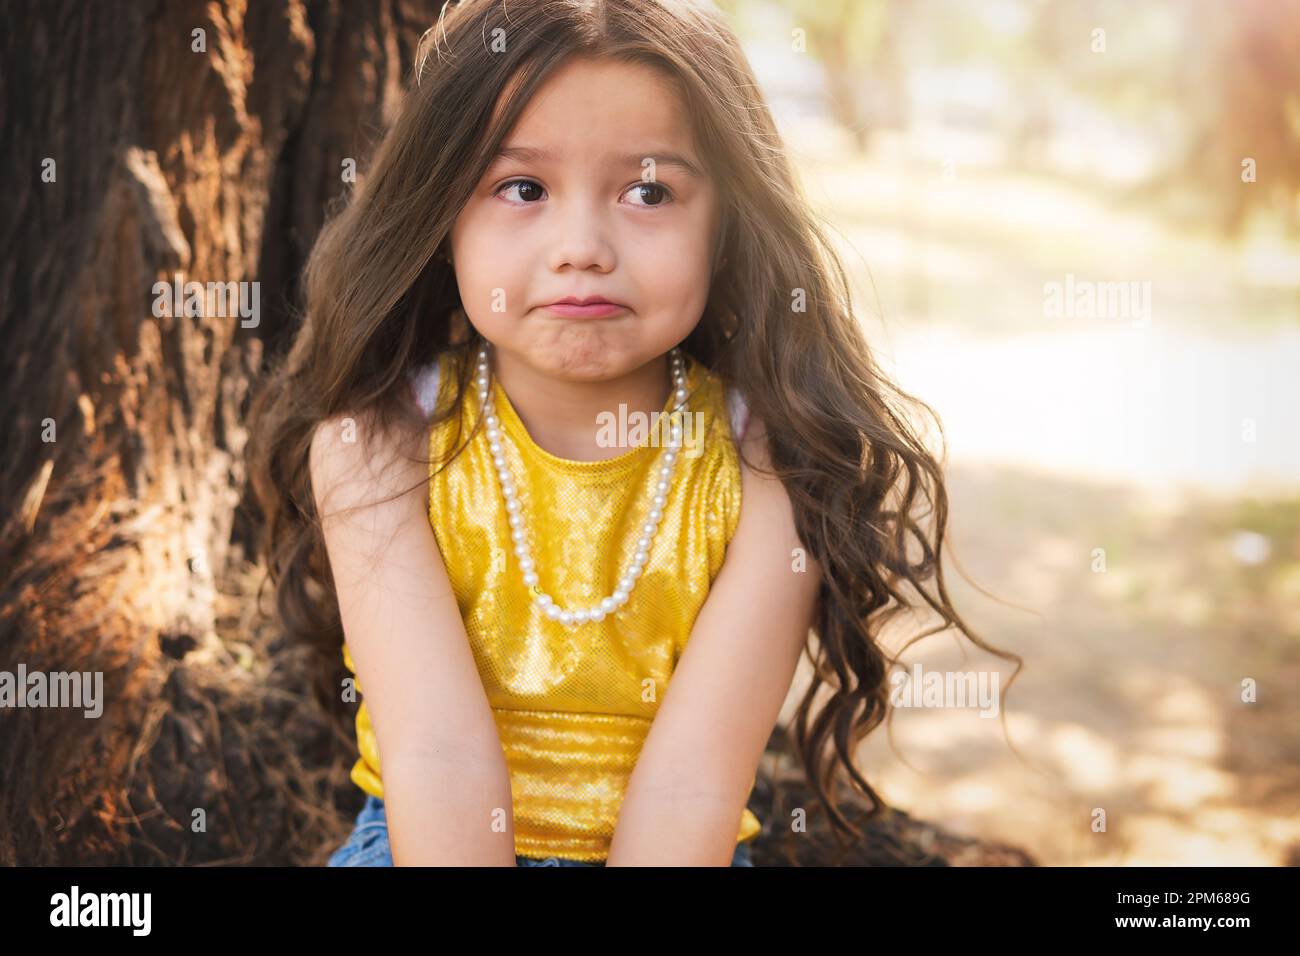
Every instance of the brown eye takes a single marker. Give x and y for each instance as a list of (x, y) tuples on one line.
[(651, 194), (528, 190)]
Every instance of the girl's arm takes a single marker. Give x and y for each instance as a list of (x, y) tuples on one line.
[(685, 797), (445, 777)]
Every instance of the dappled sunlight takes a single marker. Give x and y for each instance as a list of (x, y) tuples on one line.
[(1178, 783), (1151, 840), (1086, 262), (1087, 762), (1130, 700)]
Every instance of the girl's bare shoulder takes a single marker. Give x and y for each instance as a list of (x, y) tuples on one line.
[(354, 462)]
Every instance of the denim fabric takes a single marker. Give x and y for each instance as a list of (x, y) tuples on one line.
[(368, 844)]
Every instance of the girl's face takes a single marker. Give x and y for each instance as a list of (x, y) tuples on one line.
[(597, 192)]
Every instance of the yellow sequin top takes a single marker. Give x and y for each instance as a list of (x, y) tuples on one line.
[(573, 706)]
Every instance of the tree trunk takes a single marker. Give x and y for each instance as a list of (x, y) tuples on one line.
[(151, 142)]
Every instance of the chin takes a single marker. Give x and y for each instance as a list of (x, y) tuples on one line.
[(593, 359), (583, 368)]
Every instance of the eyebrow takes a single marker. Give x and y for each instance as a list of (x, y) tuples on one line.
[(529, 154)]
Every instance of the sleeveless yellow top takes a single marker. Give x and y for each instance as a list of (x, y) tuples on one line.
[(574, 706)]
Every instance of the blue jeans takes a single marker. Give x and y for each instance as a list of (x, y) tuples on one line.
[(368, 844)]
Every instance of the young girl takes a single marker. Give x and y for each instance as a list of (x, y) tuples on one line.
[(575, 635)]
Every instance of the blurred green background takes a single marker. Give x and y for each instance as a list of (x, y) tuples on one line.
[(1124, 483)]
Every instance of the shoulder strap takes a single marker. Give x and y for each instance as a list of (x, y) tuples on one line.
[(424, 386), (738, 412)]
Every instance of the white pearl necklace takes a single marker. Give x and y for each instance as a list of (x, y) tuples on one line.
[(611, 603)]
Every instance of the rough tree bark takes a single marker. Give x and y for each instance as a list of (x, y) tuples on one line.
[(134, 157), (135, 153)]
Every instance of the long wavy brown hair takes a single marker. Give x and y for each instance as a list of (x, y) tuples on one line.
[(380, 300)]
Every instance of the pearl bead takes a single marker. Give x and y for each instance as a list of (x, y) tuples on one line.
[(610, 604)]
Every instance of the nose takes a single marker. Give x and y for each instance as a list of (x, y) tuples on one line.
[(582, 239)]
